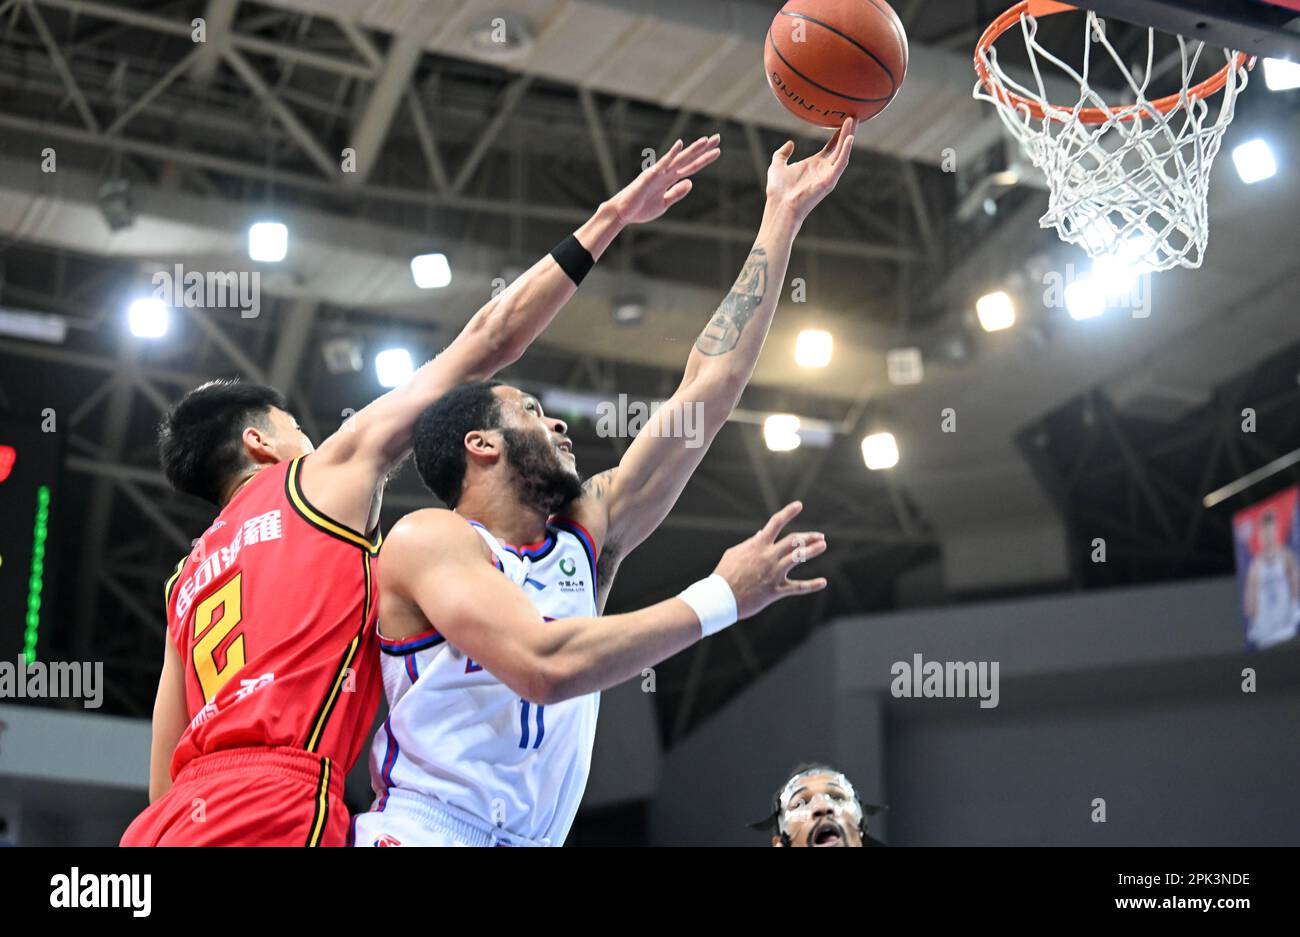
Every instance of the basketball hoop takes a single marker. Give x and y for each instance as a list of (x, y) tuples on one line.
[(1125, 180)]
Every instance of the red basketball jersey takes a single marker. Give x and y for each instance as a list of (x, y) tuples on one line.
[(274, 617)]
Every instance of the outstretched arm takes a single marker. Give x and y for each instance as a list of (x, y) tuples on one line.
[(378, 438), (624, 505), (433, 562)]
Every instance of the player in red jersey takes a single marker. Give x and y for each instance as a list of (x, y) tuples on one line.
[(270, 676)]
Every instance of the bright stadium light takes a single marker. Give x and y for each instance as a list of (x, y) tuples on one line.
[(1255, 161), (880, 451), (1281, 75), (813, 348), (1099, 236), (268, 242), (393, 366), (431, 271), (1116, 274), (1135, 250), (148, 318), (1085, 298), (997, 311), (1114, 280), (781, 432)]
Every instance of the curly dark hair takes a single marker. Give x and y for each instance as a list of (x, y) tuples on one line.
[(439, 441), (199, 439)]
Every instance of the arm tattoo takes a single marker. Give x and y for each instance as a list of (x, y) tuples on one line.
[(723, 331), (596, 486)]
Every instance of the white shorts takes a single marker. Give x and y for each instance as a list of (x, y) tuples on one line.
[(410, 819)]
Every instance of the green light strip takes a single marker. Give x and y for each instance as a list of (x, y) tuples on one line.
[(34, 585)]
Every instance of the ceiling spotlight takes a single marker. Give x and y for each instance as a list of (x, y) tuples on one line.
[(268, 242), (148, 318), (880, 451), (997, 311), (1085, 298), (1281, 75), (813, 348), (1255, 161), (393, 367), (431, 271), (781, 432)]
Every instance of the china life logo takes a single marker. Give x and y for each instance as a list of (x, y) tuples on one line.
[(568, 584)]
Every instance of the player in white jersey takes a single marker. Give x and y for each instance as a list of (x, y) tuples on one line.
[(1272, 589), (472, 744), (493, 680)]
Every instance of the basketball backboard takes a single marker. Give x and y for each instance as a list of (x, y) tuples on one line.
[(1269, 30)]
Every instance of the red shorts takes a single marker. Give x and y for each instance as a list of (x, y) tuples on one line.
[(248, 797)]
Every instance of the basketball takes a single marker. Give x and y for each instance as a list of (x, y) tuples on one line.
[(831, 59)]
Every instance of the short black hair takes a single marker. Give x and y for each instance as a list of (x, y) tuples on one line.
[(199, 440), (439, 442)]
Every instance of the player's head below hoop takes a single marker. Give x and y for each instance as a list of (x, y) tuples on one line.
[(222, 433), (488, 440), (818, 807)]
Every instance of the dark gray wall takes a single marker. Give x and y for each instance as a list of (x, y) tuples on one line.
[(1133, 696), (1184, 772)]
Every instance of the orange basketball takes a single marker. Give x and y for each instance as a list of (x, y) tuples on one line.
[(831, 59)]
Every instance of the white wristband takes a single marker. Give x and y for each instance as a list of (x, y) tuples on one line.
[(713, 602)]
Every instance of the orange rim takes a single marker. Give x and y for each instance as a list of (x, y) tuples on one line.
[(1088, 115)]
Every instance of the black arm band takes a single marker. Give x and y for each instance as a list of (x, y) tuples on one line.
[(573, 259)]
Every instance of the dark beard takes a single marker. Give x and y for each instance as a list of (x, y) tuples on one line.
[(545, 483)]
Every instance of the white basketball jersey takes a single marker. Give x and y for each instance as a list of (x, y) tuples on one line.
[(457, 734), (1274, 619)]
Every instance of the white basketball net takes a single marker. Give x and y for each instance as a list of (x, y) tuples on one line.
[(1135, 186)]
